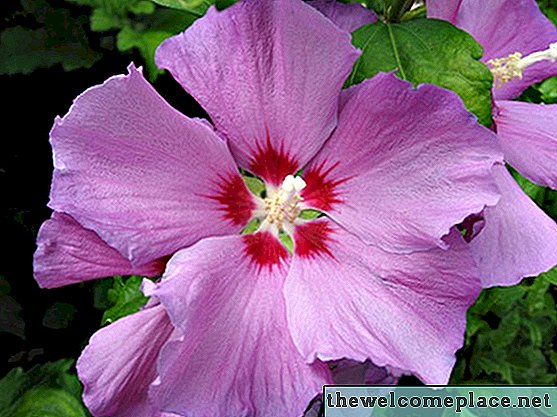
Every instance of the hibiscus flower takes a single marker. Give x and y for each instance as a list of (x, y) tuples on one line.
[(520, 46), (239, 325)]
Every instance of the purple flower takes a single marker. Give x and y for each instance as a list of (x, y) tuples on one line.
[(238, 325), (520, 46)]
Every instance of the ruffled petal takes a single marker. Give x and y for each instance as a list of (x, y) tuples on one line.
[(119, 363), (258, 70), (348, 17), (67, 253), (144, 177), (528, 136), (406, 311), (503, 27), (518, 239), (236, 357), (403, 165)]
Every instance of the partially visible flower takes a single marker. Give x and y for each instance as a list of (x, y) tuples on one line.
[(520, 46), (238, 325)]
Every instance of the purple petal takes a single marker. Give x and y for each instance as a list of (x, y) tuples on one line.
[(236, 357), (444, 9), (518, 239), (403, 165), (258, 68), (119, 363), (348, 17), (406, 311), (503, 27), (528, 136), (68, 253), (147, 179)]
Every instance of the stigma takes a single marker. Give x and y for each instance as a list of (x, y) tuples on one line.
[(513, 66), (282, 206)]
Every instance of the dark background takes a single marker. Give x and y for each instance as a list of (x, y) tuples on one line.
[(30, 104)]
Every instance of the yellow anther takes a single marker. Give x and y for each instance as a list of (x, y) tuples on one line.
[(283, 205), (506, 69)]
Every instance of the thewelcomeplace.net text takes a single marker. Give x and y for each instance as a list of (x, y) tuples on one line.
[(458, 402)]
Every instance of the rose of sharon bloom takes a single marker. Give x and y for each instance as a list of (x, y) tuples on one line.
[(238, 325), (520, 46)]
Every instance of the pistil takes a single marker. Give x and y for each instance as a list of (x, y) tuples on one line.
[(282, 207), (513, 66)]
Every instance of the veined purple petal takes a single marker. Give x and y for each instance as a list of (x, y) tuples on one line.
[(528, 136), (348, 17), (444, 9), (403, 165), (518, 239), (236, 357), (119, 364), (406, 311), (258, 68), (144, 177), (67, 253), (503, 27)]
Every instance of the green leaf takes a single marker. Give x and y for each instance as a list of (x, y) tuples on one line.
[(48, 402), (548, 90), (287, 241), (101, 287), (550, 276), (48, 390), (531, 95), (197, 7), (10, 321), (10, 387), (102, 20), (142, 7), (510, 335), (310, 214), (255, 185), (126, 298), (544, 92), (146, 41), (59, 315), (24, 50), (426, 51), (251, 227), (151, 33)]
